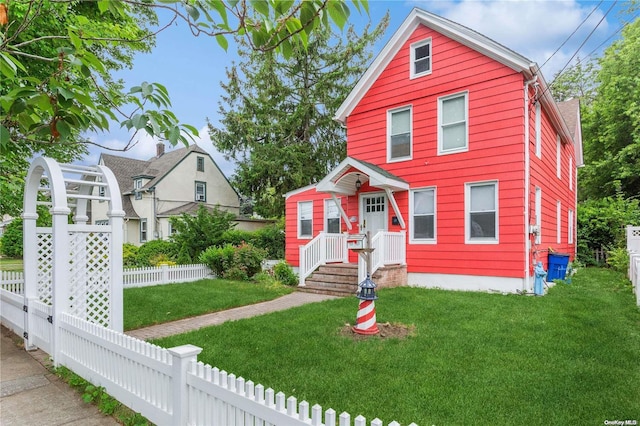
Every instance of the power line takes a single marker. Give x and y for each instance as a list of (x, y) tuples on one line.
[(581, 45), (571, 35)]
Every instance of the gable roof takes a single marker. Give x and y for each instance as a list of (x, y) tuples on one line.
[(342, 179), (463, 35), (570, 111), (155, 169)]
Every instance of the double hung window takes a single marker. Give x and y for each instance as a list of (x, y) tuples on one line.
[(453, 124), (481, 212)]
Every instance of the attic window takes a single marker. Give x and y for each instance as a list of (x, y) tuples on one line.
[(137, 184), (200, 164), (421, 58)]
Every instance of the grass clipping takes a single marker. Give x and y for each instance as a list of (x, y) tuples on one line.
[(387, 331)]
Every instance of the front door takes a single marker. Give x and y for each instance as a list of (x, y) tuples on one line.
[(373, 208)]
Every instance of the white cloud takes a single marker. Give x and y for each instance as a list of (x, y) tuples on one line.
[(533, 28)]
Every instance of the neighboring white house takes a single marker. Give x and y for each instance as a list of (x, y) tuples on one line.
[(168, 184)]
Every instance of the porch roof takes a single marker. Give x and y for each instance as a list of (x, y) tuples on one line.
[(342, 179)]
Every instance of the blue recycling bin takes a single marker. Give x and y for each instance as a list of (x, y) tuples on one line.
[(557, 266)]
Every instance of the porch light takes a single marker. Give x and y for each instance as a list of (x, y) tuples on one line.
[(358, 183)]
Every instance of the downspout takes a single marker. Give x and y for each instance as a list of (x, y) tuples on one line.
[(527, 180)]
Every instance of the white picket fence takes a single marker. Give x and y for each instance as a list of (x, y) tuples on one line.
[(170, 386), (134, 277), (142, 277), (633, 248)]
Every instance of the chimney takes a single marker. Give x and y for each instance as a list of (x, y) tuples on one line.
[(159, 149)]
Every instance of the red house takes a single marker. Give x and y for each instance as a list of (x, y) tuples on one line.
[(460, 166)]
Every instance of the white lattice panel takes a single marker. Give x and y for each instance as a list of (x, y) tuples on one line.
[(89, 278), (45, 266)]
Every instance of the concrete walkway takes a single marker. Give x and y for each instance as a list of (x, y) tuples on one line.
[(297, 298), (31, 395)]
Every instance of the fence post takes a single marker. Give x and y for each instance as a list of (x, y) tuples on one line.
[(182, 357), (165, 274)]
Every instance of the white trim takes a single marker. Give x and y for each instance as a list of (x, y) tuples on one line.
[(538, 207), (441, 100), (361, 211), (343, 214), (300, 236), (570, 226), (558, 157), (538, 130), (465, 282), (558, 222), (336, 181), (143, 224), (413, 240), (299, 190), (390, 113), (396, 209), (412, 49), (570, 173), (467, 212)]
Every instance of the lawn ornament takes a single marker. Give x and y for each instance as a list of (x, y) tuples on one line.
[(540, 274), (366, 318)]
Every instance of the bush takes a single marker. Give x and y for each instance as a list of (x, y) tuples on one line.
[(183, 256), (129, 255), (235, 237), (204, 229), (12, 239), (234, 262), (284, 273), (271, 238), (153, 249), (618, 259), (602, 223)]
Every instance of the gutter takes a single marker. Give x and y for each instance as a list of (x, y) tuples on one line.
[(527, 183)]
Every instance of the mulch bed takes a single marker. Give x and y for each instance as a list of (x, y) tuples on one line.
[(387, 331)]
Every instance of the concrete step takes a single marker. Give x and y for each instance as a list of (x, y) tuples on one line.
[(327, 290)]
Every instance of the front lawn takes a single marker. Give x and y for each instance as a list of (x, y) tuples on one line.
[(144, 306), (571, 357), (11, 264)]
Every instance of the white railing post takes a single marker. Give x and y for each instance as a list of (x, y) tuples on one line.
[(302, 268), (323, 248), (165, 274), (182, 357)]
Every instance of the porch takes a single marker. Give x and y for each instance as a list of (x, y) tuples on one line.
[(325, 263)]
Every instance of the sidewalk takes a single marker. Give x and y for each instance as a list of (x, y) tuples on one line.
[(297, 298), (31, 395)]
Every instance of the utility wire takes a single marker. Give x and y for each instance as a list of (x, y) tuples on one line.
[(608, 38), (571, 35), (580, 47)]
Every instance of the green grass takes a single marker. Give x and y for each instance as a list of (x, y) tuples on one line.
[(571, 357), (144, 306), (10, 264)]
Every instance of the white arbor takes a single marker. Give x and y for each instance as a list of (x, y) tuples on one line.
[(71, 267)]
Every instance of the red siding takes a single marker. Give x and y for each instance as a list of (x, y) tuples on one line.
[(496, 152)]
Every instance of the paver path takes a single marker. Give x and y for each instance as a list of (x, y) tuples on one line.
[(291, 300)]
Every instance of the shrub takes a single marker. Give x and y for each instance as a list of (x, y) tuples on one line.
[(183, 256), (236, 237), (284, 273), (271, 238), (202, 230), (129, 255), (152, 249), (12, 239), (234, 262), (618, 259)]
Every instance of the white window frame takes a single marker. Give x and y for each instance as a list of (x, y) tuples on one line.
[(390, 158), (441, 101), (299, 220), (412, 65), (412, 216), (467, 213), (570, 227), (558, 222), (558, 157), (143, 231), (538, 130), (137, 183), (204, 191), (538, 206), (570, 173), (329, 202), (171, 230)]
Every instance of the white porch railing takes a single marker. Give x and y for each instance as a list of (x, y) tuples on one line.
[(324, 248), (389, 249)]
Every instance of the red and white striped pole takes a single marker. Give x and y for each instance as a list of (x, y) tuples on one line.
[(366, 318)]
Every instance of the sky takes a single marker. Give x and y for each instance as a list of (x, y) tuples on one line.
[(192, 68)]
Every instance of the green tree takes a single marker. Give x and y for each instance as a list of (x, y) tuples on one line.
[(56, 58), (577, 81), (612, 123), (278, 114), (201, 231)]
